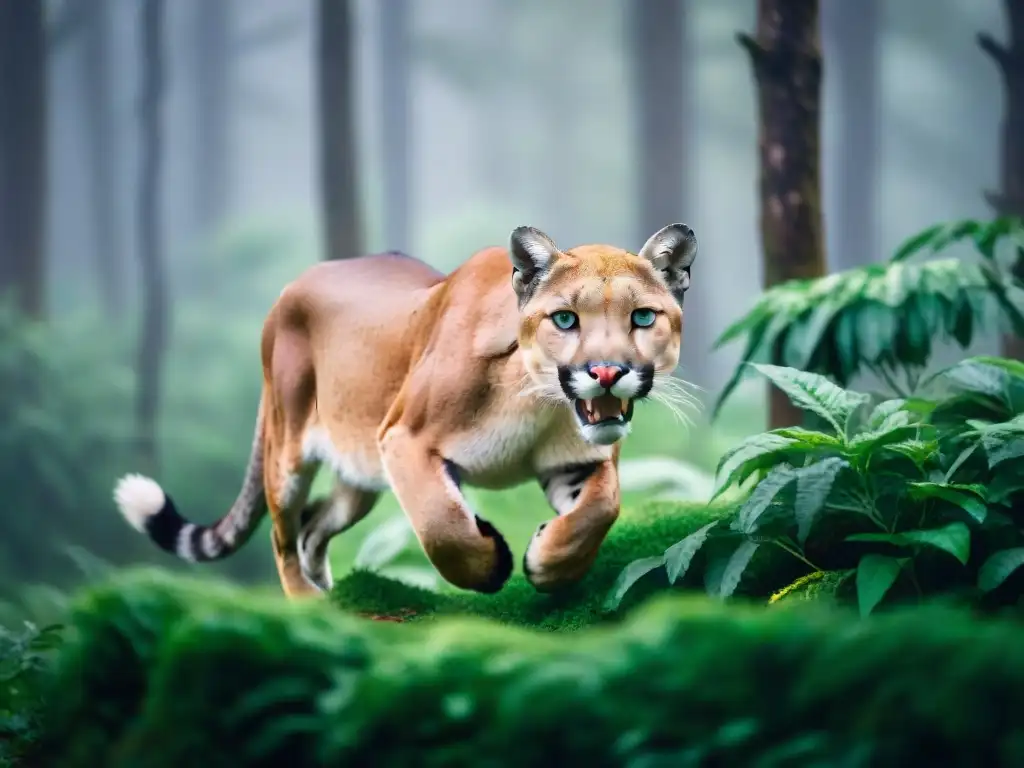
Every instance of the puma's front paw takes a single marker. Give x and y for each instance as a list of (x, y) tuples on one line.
[(549, 566)]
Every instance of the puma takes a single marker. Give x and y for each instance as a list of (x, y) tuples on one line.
[(523, 363)]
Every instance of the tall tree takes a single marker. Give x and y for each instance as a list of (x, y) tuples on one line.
[(658, 44), (1009, 199), (102, 157), (155, 321), (785, 56), (23, 163), (393, 32), (851, 33), (213, 71), (339, 187)]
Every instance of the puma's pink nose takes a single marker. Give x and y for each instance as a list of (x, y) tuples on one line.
[(606, 374)]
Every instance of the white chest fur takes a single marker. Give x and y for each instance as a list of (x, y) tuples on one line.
[(504, 451)]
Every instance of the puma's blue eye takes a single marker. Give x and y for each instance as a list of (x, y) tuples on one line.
[(643, 318), (565, 319)]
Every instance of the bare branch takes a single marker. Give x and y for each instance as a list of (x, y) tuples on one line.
[(753, 48), (997, 51)]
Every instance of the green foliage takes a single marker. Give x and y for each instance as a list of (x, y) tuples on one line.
[(885, 318), (24, 674), (65, 423), (162, 670), (913, 496)]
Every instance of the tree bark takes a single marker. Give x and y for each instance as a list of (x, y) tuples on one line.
[(851, 43), (212, 77), (102, 159), (663, 90), (1009, 200), (343, 235), (153, 340), (786, 60), (394, 18), (23, 154)]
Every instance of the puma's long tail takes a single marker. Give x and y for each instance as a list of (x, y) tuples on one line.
[(148, 509)]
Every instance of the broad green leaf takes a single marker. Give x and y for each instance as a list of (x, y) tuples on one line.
[(918, 451), (999, 451), (998, 568), (916, 243), (629, 576), (875, 576), (734, 568), (815, 393), (970, 498), (810, 437), (886, 410), (866, 443), (761, 497), (954, 538), (679, 556), (756, 452), (813, 484)]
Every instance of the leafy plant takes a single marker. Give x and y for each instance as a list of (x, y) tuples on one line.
[(382, 549), (24, 672), (918, 493), (885, 318), (665, 478)]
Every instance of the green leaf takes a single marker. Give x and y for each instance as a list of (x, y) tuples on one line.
[(755, 453), (916, 243), (814, 393), (629, 576), (970, 498), (954, 538), (679, 556), (761, 497), (998, 568), (999, 451), (813, 484), (875, 576), (734, 568)]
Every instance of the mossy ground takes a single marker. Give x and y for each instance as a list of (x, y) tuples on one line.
[(164, 671), (640, 532)]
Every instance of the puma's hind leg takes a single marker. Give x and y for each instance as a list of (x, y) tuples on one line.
[(323, 520), (288, 479)]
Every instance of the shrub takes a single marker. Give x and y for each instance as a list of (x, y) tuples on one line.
[(884, 318), (913, 496), (24, 674)]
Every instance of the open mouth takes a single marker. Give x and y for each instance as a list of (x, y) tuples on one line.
[(605, 409)]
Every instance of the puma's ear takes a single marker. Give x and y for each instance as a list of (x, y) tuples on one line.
[(532, 252), (672, 250)]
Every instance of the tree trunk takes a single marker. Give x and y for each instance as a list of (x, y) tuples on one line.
[(395, 120), (102, 159), (1009, 200), (212, 75), (153, 340), (851, 43), (663, 91), (343, 236), (786, 60), (23, 151)]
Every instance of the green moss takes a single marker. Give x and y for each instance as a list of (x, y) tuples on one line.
[(228, 679), (647, 530)]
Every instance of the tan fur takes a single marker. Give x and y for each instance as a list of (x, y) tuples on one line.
[(394, 376)]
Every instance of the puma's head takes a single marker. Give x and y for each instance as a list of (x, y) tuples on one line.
[(601, 327)]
